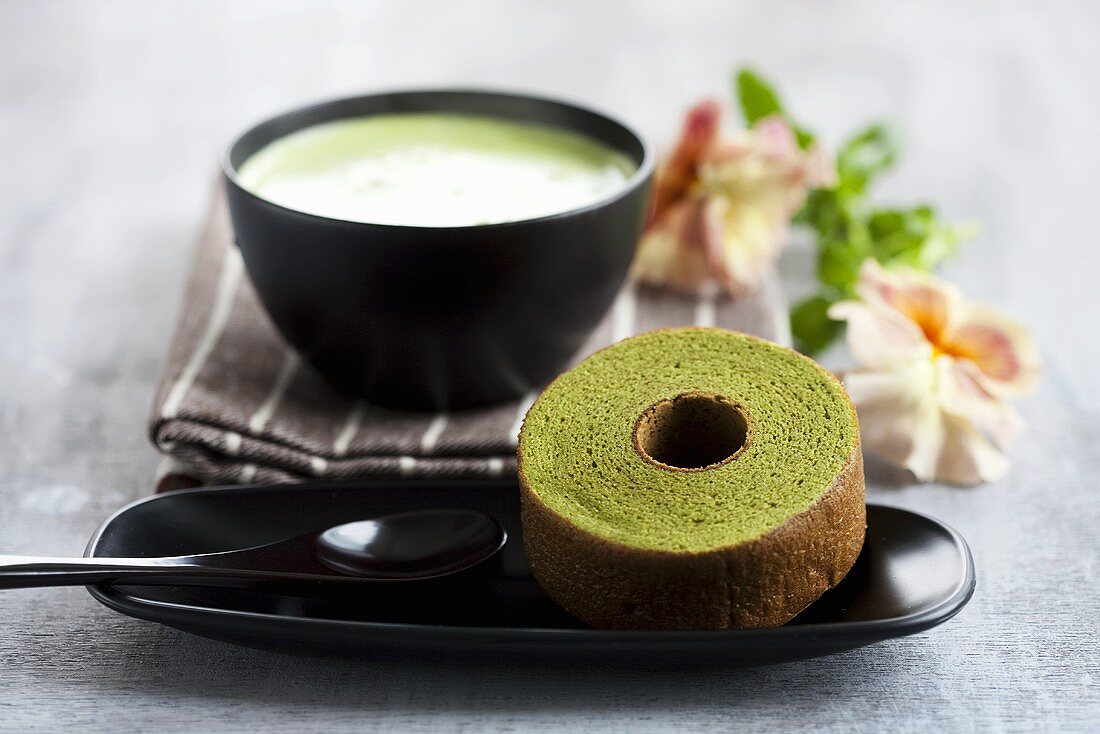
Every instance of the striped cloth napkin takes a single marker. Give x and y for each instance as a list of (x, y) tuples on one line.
[(236, 405)]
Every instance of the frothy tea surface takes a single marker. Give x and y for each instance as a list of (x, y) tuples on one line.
[(434, 170)]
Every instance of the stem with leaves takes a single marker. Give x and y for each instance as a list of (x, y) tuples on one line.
[(847, 227)]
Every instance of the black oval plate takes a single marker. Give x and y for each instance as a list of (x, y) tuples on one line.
[(914, 573)]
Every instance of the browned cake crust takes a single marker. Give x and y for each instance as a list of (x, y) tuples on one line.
[(763, 582)]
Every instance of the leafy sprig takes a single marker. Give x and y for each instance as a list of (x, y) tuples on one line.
[(847, 227), (759, 100)]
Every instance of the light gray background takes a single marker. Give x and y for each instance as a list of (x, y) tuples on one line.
[(111, 118)]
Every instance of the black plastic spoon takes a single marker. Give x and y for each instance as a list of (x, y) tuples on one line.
[(408, 546)]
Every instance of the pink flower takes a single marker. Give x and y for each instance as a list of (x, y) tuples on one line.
[(722, 204), (935, 375)]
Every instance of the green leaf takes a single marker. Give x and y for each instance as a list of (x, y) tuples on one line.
[(758, 99), (942, 243), (838, 263), (898, 233), (828, 211), (847, 228), (914, 237), (884, 223), (816, 207), (811, 326), (864, 156)]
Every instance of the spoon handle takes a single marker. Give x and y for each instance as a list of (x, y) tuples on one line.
[(17, 572)]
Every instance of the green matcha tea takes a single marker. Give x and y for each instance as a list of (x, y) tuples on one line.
[(434, 170)]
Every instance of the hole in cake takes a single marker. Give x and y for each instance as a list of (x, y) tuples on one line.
[(692, 432)]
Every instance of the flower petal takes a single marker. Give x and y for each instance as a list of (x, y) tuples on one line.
[(742, 241), (967, 457), (1002, 350), (902, 421), (820, 168), (678, 173), (927, 301), (764, 166), (898, 415), (672, 252), (722, 206), (880, 337), (961, 394), (776, 138), (936, 373)]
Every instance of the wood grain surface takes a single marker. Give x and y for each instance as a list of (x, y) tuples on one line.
[(112, 115)]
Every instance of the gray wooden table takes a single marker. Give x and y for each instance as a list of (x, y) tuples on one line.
[(111, 118)]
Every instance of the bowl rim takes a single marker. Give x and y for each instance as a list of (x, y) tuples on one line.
[(641, 174)]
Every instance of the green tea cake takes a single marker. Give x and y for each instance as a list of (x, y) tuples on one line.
[(691, 479)]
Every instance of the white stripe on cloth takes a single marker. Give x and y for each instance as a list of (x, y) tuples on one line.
[(622, 318), (267, 409), (777, 307), (232, 443), (219, 314), (431, 434), (350, 428), (705, 309)]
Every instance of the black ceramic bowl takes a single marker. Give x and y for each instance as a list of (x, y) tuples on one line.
[(440, 317)]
